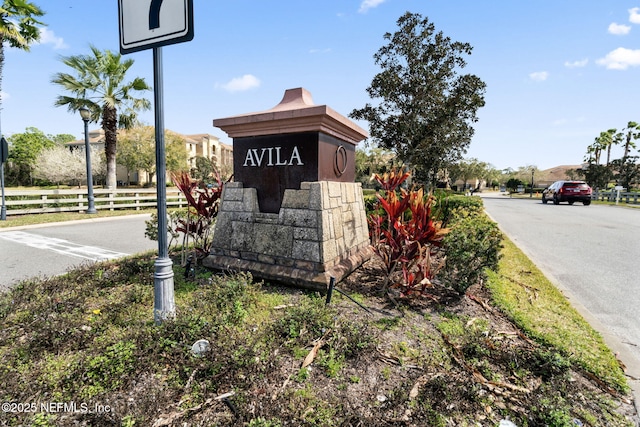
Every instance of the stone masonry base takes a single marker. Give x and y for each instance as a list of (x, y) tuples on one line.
[(320, 232)]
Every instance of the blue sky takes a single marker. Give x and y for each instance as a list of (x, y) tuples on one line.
[(558, 72)]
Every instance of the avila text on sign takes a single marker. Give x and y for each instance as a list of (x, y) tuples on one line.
[(273, 156)]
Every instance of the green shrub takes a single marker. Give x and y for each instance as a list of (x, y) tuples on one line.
[(174, 218), (445, 205), (109, 369), (472, 245), (370, 203)]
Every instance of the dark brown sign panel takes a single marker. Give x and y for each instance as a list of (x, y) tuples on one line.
[(273, 163)]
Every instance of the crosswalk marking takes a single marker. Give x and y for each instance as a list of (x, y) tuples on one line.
[(60, 246)]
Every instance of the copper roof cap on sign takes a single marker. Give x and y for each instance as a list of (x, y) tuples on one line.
[(296, 113)]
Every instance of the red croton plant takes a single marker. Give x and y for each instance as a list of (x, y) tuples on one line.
[(203, 201), (404, 235)]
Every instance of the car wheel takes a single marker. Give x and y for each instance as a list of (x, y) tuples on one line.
[(555, 200), (544, 200), (587, 202)]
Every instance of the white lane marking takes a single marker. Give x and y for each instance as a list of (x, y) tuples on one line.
[(60, 246)]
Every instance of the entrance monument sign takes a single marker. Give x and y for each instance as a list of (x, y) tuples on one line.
[(294, 213)]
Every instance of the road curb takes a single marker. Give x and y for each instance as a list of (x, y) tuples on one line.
[(75, 221)]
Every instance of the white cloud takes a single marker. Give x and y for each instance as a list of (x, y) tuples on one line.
[(326, 50), (539, 76), (577, 64), (369, 4), (239, 84), (4, 95), (620, 59), (634, 15), (618, 29), (48, 37)]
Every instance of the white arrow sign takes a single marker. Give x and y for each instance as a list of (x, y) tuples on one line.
[(151, 23)]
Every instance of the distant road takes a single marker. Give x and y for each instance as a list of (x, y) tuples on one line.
[(48, 250), (591, 251)]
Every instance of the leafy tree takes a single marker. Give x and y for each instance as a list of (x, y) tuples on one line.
[(426, 107), (598, 176), (467, 169), (176, 152), (99, 85), (628, 171), (370, 162), (60, 165), (137, 150), (513, 183), (528, 174), (492, 175), (575, 174), (204, 169), (62, 138), (18, 27), (24, 149)]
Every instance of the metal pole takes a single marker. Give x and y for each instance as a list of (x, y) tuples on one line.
[(3, 211), (531, 194), (332, 283), (91, 209), (164, 303)]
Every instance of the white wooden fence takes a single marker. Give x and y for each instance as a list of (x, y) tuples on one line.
[(610, 196), (21, 202)]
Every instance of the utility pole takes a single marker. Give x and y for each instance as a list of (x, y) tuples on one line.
[(531, 194)]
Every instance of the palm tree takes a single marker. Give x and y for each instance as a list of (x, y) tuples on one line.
[(594, 150), (632, 133), (607, 140), (99, 85), (18, 27)]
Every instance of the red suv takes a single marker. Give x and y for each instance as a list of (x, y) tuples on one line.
[(567, 191)]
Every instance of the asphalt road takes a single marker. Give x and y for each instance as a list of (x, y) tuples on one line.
[(52, 249), (591, 253)]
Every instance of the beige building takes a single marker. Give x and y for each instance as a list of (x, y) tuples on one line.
[(209, 146), (202, 144)]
